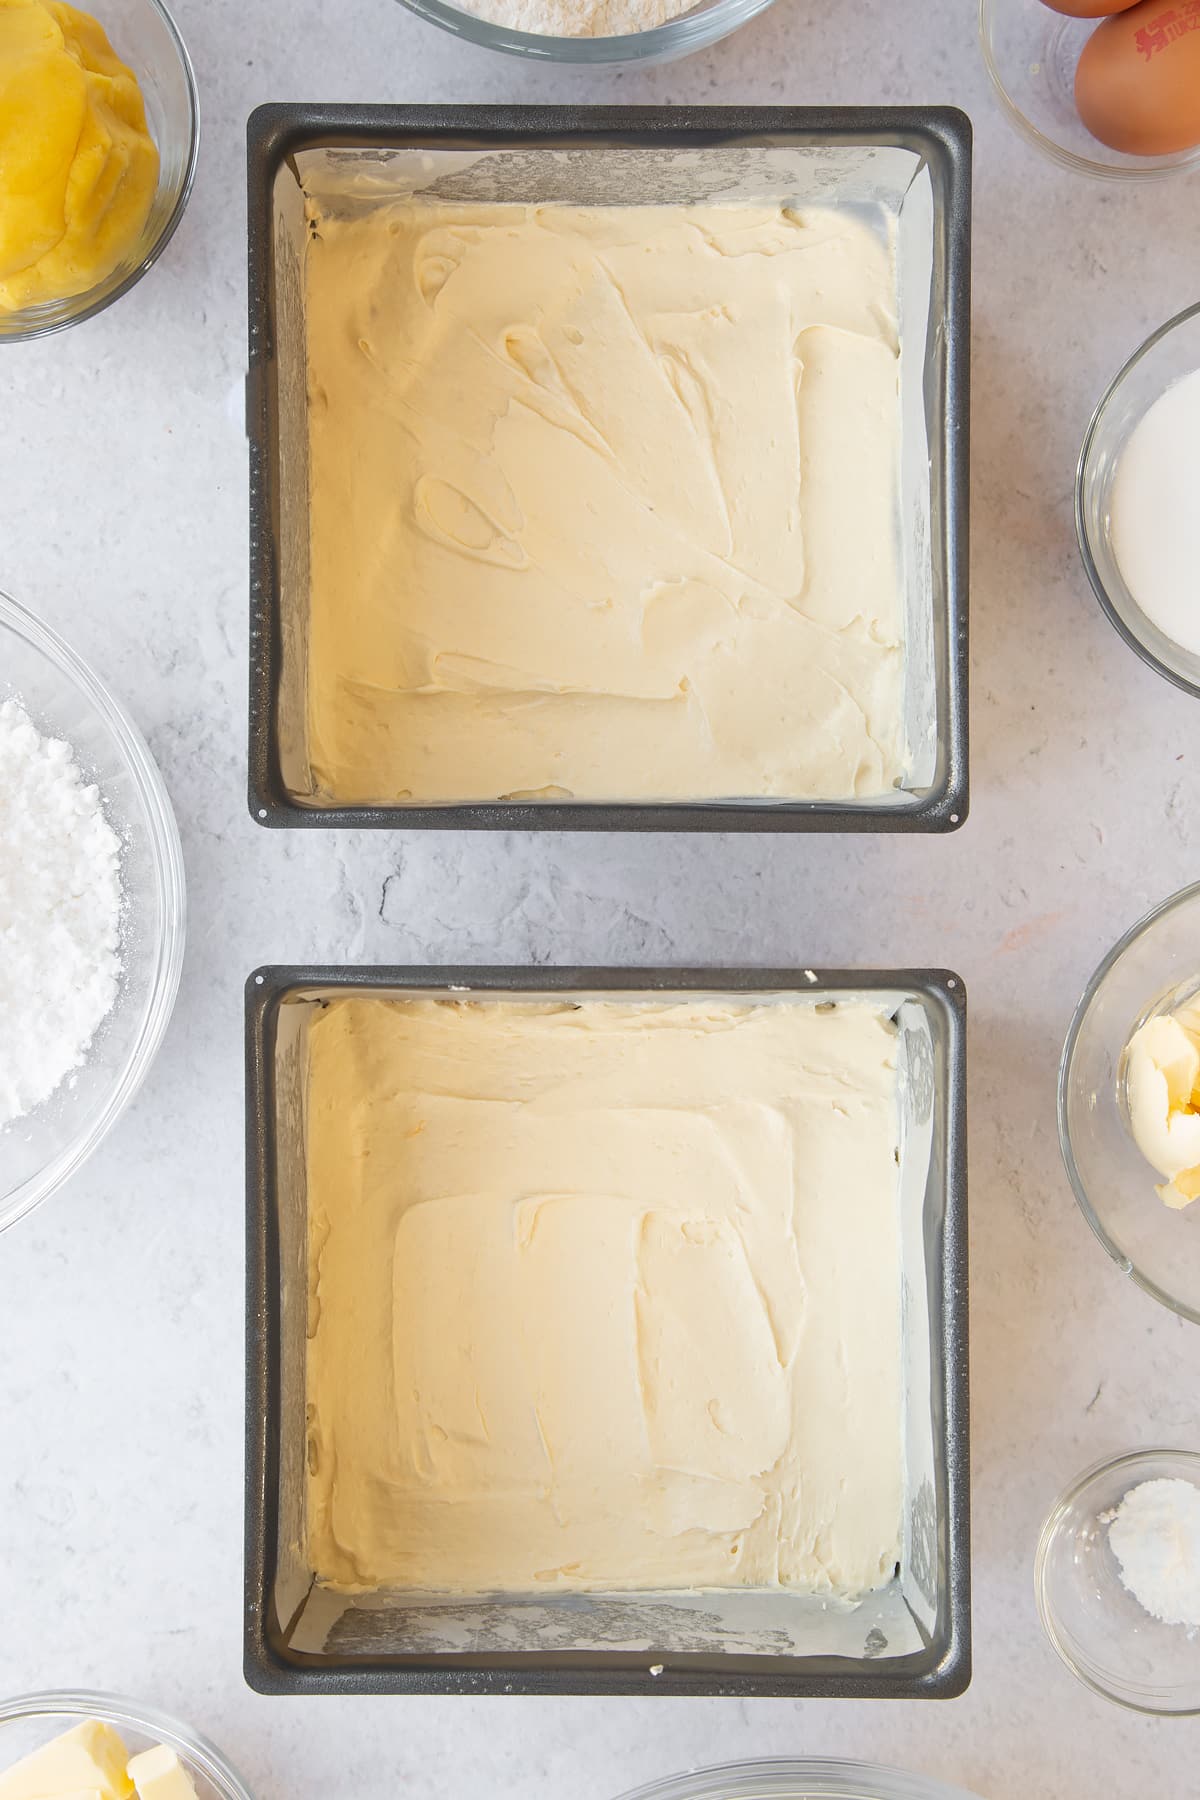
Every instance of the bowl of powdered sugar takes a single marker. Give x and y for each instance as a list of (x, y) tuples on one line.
[(591, 31), (91, 911), (1118, 1579)]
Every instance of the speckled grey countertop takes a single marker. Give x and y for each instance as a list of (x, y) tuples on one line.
[(123, 520)]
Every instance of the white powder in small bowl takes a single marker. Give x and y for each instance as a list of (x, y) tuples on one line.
[(1155, 1536), (577, 18), (60, 914)]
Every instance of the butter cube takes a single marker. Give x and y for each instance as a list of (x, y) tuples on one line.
[(158, 1774), (89, 1760)]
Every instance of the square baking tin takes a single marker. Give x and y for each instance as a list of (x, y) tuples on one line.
[(910, 1640), (913, 163)]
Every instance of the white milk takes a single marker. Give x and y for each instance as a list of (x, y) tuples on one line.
[(1156, 513)]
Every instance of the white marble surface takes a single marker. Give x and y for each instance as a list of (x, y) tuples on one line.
[(122, 518)]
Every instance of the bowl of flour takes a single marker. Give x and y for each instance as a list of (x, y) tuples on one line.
[(91, 911), (591, 31)]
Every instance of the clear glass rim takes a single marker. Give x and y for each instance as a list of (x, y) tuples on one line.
[(114, 1709), (24, 326), (1108, 1465), (167, 857), (780, 1776), (689, 31), (1082, 533), (1154, 169), (1124, 1262)]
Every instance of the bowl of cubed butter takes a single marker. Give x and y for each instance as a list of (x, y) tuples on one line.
[(55, 1745)]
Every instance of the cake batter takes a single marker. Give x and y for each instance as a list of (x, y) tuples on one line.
[(603, 504), (603, 1295)]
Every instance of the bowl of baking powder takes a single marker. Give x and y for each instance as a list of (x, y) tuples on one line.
[(91, 911), (1117, 1579)]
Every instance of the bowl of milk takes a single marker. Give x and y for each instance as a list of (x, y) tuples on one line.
[(1137, 505)]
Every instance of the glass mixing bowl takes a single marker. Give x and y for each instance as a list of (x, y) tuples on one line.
[(705, 24), (804, 1778), (1031, 54), (144, 36), (65, 699), (1170, 353), (1154, 968), (1102, 1633), (31, 1720)]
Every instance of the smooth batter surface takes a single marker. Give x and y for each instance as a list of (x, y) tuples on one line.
[(603, 1295), (603, 504)]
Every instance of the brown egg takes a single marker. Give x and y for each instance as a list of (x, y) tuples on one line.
[(1088, 9), (1137, 86)]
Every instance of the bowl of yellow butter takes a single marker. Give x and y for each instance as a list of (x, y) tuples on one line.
[(61, 1746), (99, 130), (1129, 1103)]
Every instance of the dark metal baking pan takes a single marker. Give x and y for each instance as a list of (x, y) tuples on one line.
[(932, 143), (291, 1646)]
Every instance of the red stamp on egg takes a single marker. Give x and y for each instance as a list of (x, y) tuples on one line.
[(1167, 28)]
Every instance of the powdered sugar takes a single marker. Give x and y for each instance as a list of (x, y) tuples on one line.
[(60, 914), (577, 18), (1155, 1536)]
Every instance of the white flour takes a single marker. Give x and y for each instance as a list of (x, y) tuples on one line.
[(1155, 1536), (60, 914), (577, 18)]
